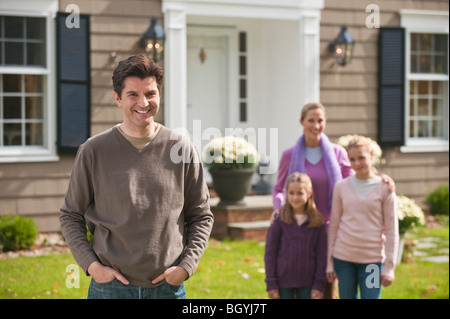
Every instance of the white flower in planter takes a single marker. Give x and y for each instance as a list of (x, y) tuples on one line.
[(230, 152)]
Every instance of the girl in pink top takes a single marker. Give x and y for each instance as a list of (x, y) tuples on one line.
[(363, 230)]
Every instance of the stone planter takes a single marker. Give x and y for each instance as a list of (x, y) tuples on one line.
[(231, 185)]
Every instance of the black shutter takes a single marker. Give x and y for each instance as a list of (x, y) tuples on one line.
[(391, 86), (73, 86)]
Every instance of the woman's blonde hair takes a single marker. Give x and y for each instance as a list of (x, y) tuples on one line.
[(316, 219), (362, 141), (311, 106)]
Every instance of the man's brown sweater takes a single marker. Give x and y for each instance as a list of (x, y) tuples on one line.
[(146, 211)]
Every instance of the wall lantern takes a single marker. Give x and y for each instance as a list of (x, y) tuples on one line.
[(152, 41), (342, 47)]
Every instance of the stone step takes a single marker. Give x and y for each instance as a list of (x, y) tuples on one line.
[(256, 230), (242, 221)]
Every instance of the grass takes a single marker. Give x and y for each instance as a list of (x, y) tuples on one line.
[(228, 270)]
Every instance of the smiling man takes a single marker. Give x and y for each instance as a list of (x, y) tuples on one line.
[(150, 217)]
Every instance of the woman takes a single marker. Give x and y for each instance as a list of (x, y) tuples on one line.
[(325, 163)]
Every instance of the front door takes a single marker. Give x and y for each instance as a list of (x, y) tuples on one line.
[(207, 81)]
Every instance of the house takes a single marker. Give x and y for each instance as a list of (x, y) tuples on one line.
[(247, 66)]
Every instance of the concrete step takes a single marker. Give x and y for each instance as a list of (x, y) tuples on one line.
[(247, 221), (256, 230)]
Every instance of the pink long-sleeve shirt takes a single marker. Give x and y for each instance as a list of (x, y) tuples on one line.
[(363, 229)]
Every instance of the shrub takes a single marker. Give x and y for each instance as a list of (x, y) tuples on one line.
[(17, 232), (437, 200)]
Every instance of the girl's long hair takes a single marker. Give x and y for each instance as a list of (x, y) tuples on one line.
[(316, 218)]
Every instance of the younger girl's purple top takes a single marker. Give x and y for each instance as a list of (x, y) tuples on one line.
[(295, 256)]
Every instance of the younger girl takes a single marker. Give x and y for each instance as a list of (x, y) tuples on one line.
[(363, 230), (295, 255)]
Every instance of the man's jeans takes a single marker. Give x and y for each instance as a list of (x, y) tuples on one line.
[(117, 290), (351, 275)]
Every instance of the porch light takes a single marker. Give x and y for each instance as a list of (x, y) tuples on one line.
[(152, 41), (342, 47)]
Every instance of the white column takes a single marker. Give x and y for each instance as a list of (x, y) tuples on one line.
[(310, 56), (175, 68)]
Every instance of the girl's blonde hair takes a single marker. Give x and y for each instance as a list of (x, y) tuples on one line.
[(362, 141), (316, 219)]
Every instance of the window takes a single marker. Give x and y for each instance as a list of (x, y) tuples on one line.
[(427, 88), (426, 81), (21, 105), (243, 77), (27, 106)]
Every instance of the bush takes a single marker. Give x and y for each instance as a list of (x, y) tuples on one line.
[(437, 201), (17, 232)]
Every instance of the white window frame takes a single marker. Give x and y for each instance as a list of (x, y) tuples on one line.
[(42, 9), (422, 21)]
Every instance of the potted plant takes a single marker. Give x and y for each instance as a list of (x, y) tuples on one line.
[(231, 162), (410, 215)]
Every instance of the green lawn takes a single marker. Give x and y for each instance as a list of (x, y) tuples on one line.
[(228, 270)]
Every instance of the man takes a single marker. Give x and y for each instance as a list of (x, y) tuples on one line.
[(149, 216)]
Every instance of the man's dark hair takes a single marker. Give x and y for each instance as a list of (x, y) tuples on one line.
[(137, 66)]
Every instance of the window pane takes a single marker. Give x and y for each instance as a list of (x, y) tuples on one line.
[(437, 130), (425, 41), (412, 109), (14, 53), (436, 105), (414, 63), (411, 129), (36, 54), (414, 41), (12, 107), (242, 88), (429, 53), (33, 83), (425, 64), (243, 65), (35, 28), (440, 64), (423, 107), (33, 134), (12, 83), (33, 107), (242, 42), (13, 27), (423, 87), (423, 128), (12, 134)]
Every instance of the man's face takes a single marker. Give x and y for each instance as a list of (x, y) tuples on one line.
[(139, 101)]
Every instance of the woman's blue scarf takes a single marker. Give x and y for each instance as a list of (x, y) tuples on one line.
[(329, 156)]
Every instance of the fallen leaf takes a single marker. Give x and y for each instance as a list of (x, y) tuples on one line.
[(432, 288)]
